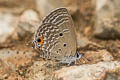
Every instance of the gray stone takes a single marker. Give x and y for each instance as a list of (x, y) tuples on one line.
[(7, 25), (46, 6), (107, 19), (87, 72), (26, 25), (12, 60)]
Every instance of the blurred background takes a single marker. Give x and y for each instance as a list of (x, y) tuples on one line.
[(20, 17), (97, 27)]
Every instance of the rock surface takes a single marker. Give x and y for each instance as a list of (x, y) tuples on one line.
[(11, 62), (87, 72), (107, 19), (27, 24), (46, 6), (7, 25)]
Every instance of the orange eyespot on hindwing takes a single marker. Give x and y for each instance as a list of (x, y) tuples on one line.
[(40, 41)]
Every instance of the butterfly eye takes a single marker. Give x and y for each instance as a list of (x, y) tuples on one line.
[(40, 40)]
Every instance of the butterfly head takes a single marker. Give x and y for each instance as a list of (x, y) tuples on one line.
[(38, 42)]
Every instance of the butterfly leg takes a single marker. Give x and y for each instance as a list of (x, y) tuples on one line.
[(71, 59)]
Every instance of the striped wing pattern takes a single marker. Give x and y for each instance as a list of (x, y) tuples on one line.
[(58, 21)]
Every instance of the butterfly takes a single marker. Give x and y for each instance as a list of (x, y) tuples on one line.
[(55, 38)]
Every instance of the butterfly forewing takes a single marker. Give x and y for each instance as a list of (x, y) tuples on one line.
[(57, 16)]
